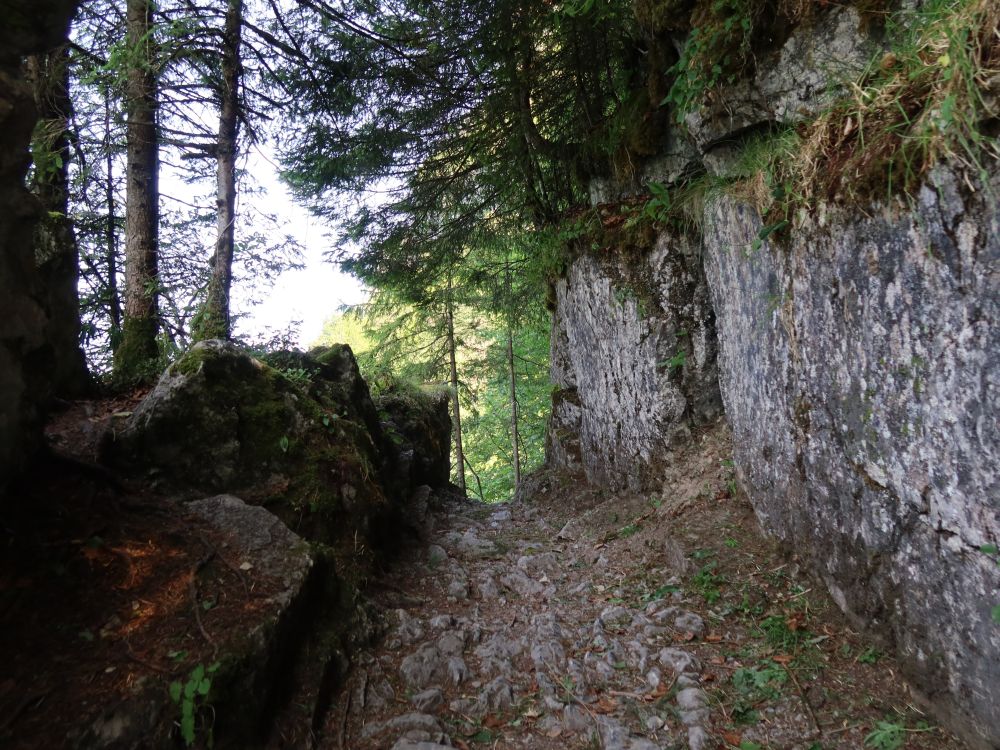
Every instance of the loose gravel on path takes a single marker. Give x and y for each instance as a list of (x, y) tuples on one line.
[(575, 618)]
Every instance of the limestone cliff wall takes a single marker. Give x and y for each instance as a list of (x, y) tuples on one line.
[(633, 361), (858, 361), (859, 366)]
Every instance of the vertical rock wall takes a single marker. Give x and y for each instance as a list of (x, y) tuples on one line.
[(860, 368), (633, 361), (28, 26)]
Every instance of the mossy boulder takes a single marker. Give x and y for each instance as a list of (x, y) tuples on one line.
[(302, 437), (417, 426)]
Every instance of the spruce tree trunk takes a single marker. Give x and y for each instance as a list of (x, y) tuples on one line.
[(27, 27), (215, 320), (56, 253), (456, 413), (110, 233), (137, 354), (515, 447)]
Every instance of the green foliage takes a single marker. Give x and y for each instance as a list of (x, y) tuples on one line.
[(870, 655), (886, 735), (707, 582), (755, 685), (716, 51), (190, 696)]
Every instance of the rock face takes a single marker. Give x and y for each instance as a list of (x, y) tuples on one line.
[(254, 663), (633, 361), (303, 437), (859, 368), (858, 361), (30, 26)]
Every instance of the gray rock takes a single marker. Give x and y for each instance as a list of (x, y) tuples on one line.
[(407, 744), (616, 408), (548, 655), (689, 622), (440, 622), (259, 538), (856, 364), (614, 735), (538, 565), (518, 582), (699, 738), (428, 700), (616, 616), (497, 695), (408, 629), (451, 643), (692, 705), (486, 588), (469, 545), (436, 555), (427, 665), (458, 672), (458, 588), (406, 723), (575, 719), (679, 660)]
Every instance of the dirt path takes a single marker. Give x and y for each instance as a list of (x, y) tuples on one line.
[(576, 619)]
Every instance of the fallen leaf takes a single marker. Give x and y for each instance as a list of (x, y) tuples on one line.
[(713, 638), (733, 738), (782, 658), (604, 705), (246, 566)]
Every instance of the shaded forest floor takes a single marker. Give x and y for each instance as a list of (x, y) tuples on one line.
[(573, 618), (105, 588)]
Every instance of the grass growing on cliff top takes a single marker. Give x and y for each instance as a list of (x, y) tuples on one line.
[(935, 96)]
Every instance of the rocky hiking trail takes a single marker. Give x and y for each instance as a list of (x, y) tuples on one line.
[(573, 618)]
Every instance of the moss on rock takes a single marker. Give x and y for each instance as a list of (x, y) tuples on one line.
[(302, 437)]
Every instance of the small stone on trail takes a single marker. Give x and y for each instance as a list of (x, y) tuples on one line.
[(428, 700)]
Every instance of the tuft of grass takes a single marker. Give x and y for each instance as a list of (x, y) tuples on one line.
[(935, 96)]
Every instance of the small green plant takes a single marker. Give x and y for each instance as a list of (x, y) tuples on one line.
[(716, 51), (190, 697), (658, 207), (870, 655), (706, 582), (298, 375), (765, 232), (626, 531), (780, 634), (754, 685), (283, 443), (886, 735), (677, 360), (661, 593)]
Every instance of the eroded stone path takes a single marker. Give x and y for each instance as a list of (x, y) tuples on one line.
[(538, 625)]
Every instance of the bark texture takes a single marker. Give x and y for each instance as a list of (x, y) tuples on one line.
[(138, 351), (216, 321), (29, 27), (56, 252)]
